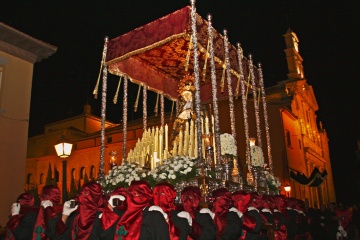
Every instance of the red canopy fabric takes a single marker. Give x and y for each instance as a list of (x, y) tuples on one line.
[(155, 55)]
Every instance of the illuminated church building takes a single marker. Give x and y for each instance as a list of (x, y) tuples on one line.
[(299, 147)]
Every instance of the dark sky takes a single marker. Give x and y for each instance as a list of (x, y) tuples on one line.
[(329, 44)]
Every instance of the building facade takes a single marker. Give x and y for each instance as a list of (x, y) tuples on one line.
[(18, 54)]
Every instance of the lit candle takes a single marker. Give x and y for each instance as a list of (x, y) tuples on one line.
[(174, 153), (161, 146), (206, 125), (180, 151), (156, 147), (166, 139)]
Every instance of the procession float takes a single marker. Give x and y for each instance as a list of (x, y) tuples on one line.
[(183, 58)]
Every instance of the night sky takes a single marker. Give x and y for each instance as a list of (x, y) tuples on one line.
[(329, 44)]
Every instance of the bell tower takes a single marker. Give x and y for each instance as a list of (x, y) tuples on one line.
[(294, 60)]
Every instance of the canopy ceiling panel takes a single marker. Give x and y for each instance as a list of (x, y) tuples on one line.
[(155, 54)]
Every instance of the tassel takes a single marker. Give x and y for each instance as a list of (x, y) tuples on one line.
[(222, 83), (137, 99), (247, 86), (206, 58), (96, 89), (188, 55), (156, 105), (117, 91), (237, 88)]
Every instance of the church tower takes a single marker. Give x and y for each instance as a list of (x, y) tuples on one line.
[(294, 60)]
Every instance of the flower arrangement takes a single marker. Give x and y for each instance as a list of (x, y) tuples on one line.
[(174, 170), (121, 176), (272, 181), (257, 157), (227, 143)]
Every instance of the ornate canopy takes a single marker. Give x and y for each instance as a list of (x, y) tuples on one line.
[(156, 55)]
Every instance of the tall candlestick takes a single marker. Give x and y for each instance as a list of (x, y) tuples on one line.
[(206, 125), (161, 146), (180, 151), (166, 139)]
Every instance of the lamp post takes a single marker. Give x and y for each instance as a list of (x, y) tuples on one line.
[(287, 189), (63, 149)]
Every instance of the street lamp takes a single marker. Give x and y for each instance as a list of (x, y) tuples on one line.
[(287, 189), (63, 150)]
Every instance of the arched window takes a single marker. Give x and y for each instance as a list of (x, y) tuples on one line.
[(92, 172), (73, 173), (82, 173), (29, 178), (41, 180)]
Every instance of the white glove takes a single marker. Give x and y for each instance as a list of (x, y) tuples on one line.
[(121, 197), (15, 209), (237, 211), (157, 208), (67, 210), (206, 210), (185, 215), (46, 203)]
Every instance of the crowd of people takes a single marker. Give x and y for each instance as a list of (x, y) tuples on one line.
[(140, 212)]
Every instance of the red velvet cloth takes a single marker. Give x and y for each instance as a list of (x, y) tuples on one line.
[(139, 197), (190, 198), (240, 200), (51, 193), (164, 197), (90, 201), (281, 203), (344, 217), (256, 200), (109, 217), (155, 53), (221, 204), (26, 201)]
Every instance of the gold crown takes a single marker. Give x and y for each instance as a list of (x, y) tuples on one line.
[(186, 84)]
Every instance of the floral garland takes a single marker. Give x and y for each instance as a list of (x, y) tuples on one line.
[(227, 143), (175, 169), (257, 157), (172, 170), (121, 176), (272, 181)]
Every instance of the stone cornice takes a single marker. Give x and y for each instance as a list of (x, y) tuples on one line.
[(20, 40), (17, 52)]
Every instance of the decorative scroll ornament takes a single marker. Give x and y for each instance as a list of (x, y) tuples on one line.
[(214, 93), (266, 120), (230, 91), (125, 109), (244, 103), (145, 107), (103, 113), (196, 75), (256, 105)]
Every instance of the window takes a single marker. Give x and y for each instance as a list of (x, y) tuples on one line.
[(41, 180), (73, 173), (288, 138), (29, 178), (109, 139), (92, 172), (82, 173)]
